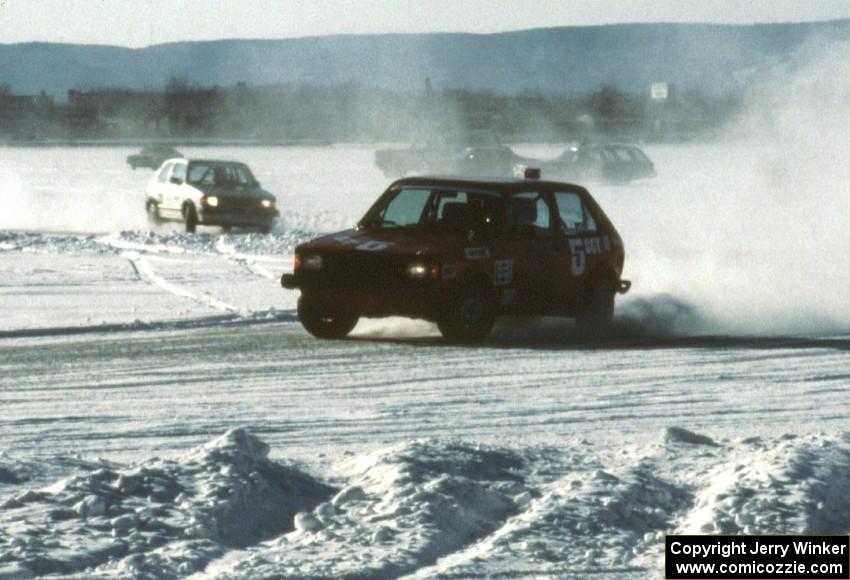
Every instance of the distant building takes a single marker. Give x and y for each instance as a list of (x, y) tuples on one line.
[(18, 104), (115, 109), (25, 117)]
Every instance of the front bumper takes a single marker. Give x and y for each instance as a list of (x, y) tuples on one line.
[(411, 298), (216, 217)]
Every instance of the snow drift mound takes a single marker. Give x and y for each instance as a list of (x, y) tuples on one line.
[(404, 507), (432, 508), (162, 518), (795, 485)]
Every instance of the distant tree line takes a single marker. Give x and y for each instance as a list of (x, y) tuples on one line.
[(353, 113)]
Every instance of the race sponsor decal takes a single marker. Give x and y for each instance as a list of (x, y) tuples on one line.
[(449, 272), (581, 248), (476, 253), (373, 246), (367, 246), (346, 240), (504, 273), (508, 297)]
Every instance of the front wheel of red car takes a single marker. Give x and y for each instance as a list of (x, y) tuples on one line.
[(597, 313), (323, 321), (470, 317)]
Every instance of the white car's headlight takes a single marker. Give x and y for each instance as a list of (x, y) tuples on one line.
[(211, 200), (267, 203), (312, 262)]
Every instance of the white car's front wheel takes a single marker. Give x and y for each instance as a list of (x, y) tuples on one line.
[(191, 218), (153, 214)]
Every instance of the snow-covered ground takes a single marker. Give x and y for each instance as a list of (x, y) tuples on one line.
[(165, 415)]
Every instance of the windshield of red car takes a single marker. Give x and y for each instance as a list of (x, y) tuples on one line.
[(451, 210)]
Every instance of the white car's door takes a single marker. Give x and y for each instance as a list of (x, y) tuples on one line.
[(156, 187), (178, 189)]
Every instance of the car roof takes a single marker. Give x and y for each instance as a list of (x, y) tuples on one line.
[(498, 184), (215, 161)]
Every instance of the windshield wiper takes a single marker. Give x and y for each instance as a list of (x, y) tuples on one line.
[(380, 223)]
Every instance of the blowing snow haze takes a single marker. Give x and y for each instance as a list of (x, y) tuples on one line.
[(708, 58)]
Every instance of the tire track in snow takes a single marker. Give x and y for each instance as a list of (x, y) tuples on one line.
[(227, 251), (145, 271), (251, 263)]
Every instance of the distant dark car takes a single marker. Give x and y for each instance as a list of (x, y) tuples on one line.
[(460, 252), (616, 163), (153, 156), (474, 153), (209, 192)]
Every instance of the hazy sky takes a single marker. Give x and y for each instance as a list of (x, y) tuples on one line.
[(145, 22)]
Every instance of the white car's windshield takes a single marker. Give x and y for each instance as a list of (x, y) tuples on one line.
[(220, 174)]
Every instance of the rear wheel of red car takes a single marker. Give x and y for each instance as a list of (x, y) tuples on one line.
[(470, 317), (191, 217), (323, 321), (597, 313)]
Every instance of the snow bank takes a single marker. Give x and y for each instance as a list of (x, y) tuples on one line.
[(792, 486), (426, 508), (168, 243), (403, 508), (162, 518)]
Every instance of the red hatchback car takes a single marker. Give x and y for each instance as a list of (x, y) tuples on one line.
[(460, 252)]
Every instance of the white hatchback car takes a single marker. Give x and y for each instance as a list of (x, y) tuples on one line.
[(209, 192)]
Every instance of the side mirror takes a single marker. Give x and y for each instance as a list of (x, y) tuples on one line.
[(176, 181)]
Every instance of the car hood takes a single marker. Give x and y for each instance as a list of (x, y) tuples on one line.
[(397, 242)]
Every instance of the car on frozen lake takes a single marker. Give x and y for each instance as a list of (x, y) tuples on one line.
[(476, 152), (152, 156), (460, 252), (209, 192), (615, 163)]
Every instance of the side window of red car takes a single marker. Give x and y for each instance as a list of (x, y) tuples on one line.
[(574, 217), (528, 211)]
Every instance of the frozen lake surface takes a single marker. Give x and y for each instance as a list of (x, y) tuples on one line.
[(165, 414)]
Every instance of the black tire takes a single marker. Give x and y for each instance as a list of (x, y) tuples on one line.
[(265, 229), (153, 214), (323, 321), (597, 312), (470, 317), (191, 218)]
